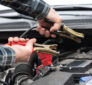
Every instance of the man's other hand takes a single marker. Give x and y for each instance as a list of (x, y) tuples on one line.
[(53, 17)]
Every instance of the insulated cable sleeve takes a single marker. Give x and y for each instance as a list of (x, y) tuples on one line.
[(34, 59)]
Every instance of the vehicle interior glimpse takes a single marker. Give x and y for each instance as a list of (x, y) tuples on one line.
[(71, 54)]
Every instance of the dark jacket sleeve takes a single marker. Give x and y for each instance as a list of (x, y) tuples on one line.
[(37, 9)]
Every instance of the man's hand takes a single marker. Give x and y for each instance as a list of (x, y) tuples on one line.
[(22, 52), (55, 18)]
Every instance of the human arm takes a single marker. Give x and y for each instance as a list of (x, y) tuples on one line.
[(39, 10), (15, 53)]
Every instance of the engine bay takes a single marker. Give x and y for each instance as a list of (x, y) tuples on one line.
[(74, 62)]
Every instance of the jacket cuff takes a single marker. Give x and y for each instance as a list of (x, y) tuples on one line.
[(7, 56), (40, 10)]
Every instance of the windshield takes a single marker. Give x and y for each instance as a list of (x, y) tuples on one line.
[(68, 2)]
